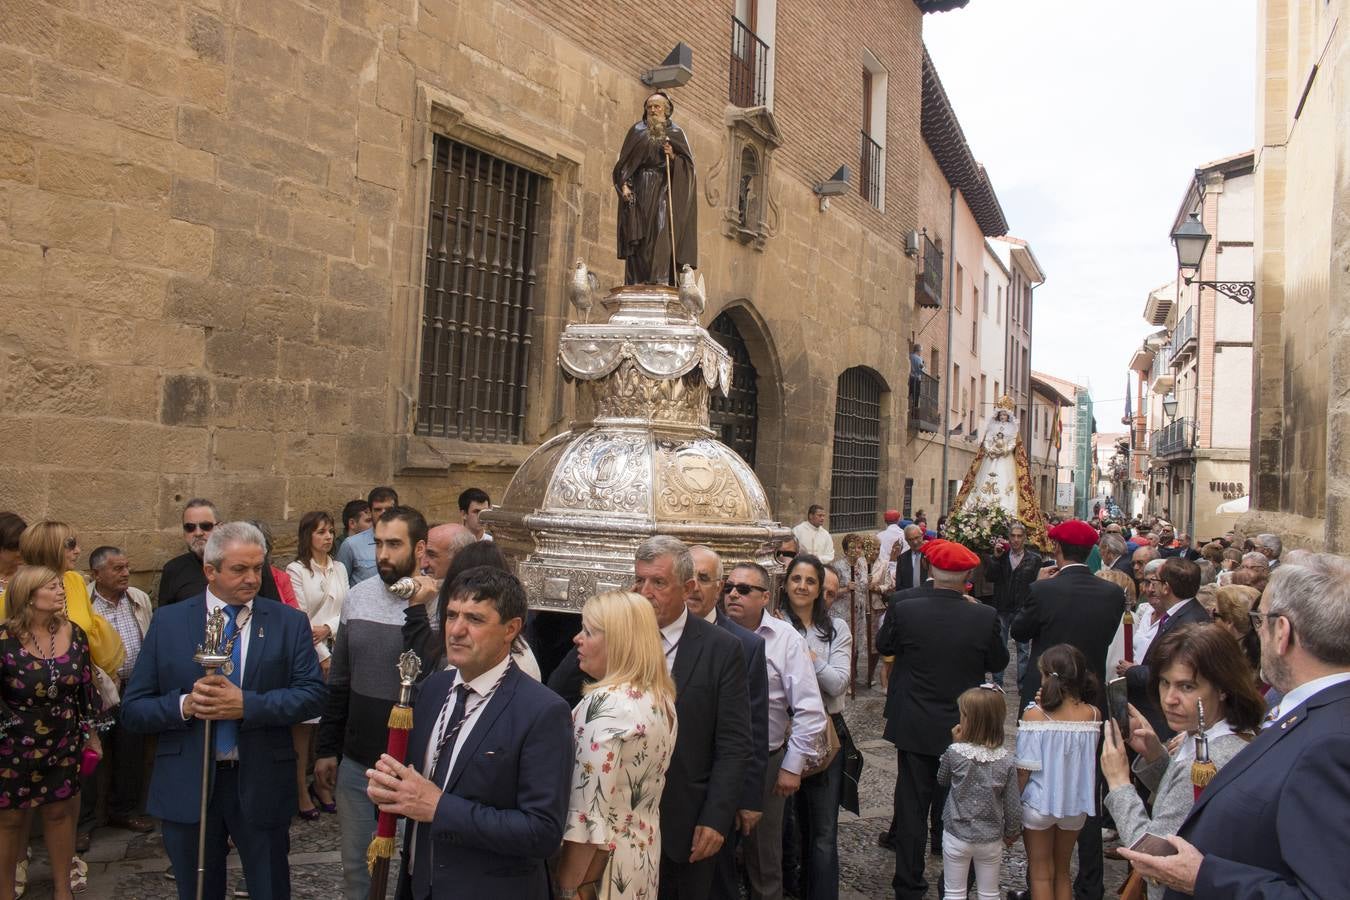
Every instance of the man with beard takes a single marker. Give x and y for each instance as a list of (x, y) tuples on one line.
[(653, 147), (183, 576), (363, 686)]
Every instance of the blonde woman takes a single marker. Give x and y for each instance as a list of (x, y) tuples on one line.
[(48, 710), (625, 734), (55, 546)]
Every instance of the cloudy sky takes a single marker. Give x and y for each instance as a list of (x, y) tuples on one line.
[(1091, 119)]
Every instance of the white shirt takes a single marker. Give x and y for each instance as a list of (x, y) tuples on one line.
[(480, 692), (321, 595), (1145, 630), (670, 638), (792, 684), (813, 540), (1305, 691), (886, 539)]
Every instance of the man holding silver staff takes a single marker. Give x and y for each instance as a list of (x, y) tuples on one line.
[(269, 681)]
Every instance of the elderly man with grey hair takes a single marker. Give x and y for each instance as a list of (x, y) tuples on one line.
[(1115, 553), (270, 683), (1273, 822), (1269, 546)]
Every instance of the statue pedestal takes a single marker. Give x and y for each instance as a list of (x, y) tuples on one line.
[(641, 460)]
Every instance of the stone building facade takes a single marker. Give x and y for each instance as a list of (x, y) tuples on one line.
[(275, 252), (1300, 437)]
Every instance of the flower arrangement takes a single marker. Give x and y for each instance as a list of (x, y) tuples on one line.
[(979, 524)]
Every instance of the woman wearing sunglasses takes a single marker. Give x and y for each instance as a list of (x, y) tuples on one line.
[(816, 806)]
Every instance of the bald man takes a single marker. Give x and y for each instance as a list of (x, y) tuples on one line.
[(421, 620)]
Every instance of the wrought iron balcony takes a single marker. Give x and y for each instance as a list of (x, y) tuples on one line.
[(925, 407), (1183, 336), (1172, 439), (749, 66), (928, 285), (869, 181)]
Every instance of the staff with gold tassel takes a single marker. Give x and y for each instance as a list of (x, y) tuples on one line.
[(381, 849), (1203, 769)]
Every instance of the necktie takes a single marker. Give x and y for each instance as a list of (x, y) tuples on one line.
[(421, 876), (1162, 620), (227, 730)]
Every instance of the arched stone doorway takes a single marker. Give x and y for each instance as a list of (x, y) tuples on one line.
[(735, 417)]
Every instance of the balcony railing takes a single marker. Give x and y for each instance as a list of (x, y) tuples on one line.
[(928, 282), (1172, 438), (869, 181), (1182, 334), (749, 66), (924, 406)]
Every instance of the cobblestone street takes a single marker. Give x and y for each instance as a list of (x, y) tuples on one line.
[(131, 867)]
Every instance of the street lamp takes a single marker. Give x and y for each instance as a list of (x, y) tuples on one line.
[(1170, 407), (1191, 239)]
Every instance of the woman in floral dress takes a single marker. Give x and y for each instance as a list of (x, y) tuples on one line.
[(48, 708), (625, 733)]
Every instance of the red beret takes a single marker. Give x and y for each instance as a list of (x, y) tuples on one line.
[(949, 556), (1074, 531), (891, 516)]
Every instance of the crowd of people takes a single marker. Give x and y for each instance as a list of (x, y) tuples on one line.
[(1189, 704)]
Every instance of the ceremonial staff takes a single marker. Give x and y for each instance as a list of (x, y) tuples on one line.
[(1128, 621), (670, 214), (1203, 769), (381, 849), (214, 653)]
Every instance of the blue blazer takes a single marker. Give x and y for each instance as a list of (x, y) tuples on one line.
[(505, 803), (757, 681), (282, 686), (1275, 821)]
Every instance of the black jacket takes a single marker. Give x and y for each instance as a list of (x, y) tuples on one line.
[(904, 571), (1075, 607), (181, 578), (943, 644), (1137, 677), (757, 682), (1011, 585)]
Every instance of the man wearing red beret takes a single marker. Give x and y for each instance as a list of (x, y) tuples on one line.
[(1069, 605), (943, 643)]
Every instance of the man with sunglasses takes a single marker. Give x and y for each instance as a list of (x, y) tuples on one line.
[(183, 576)]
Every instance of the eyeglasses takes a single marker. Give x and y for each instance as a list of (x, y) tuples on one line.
[(189, 527), (70, 543), (741, 588), (785, 554), (1258, 618)]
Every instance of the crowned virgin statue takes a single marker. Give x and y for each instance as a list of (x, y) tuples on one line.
[(999, 474)]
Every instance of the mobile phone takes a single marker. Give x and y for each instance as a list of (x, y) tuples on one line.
[(1118, 704), (1153, 845)]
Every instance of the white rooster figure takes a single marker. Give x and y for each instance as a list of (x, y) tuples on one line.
[(692, 297), (581, 288)]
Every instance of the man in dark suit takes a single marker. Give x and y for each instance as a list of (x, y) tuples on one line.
[(943, 643), (911, 569), (1115, 553), (1172, 596), (271, 683), (489, 770), (1012, 569), (1070, 605), (703, 604), (705, 783), (1275, 821)]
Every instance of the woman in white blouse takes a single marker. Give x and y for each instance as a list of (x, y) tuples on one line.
[(830, 643), (320, 584)]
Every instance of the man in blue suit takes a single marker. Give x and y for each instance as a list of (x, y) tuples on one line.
[(273, 682), (489, 770), (1275, 821)]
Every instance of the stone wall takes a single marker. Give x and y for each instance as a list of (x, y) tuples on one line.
[(213, 233)]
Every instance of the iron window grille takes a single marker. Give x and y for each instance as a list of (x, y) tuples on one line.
[(856, 468)]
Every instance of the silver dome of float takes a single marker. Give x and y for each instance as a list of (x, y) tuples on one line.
[(641, 459)]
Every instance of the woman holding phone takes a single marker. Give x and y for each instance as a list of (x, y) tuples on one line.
[(1194, 664)]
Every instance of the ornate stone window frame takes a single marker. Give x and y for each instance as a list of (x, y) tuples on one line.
[(754, 129), (440, 112)]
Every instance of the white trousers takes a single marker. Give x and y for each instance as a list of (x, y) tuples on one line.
[(957, 855)]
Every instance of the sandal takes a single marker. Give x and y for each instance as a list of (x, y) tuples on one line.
[(79, 875)]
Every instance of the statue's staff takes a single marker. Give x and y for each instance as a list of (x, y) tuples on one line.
[(381, 849), (214, 653), (670, 214)]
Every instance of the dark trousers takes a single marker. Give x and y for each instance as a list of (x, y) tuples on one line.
[(817, 827), (686, 881), (728, 878), (262, 850), (122, 769), (915, 787), (1087, 884)]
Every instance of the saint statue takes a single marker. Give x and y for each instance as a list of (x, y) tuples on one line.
[(652, 207), (1000, 476)]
